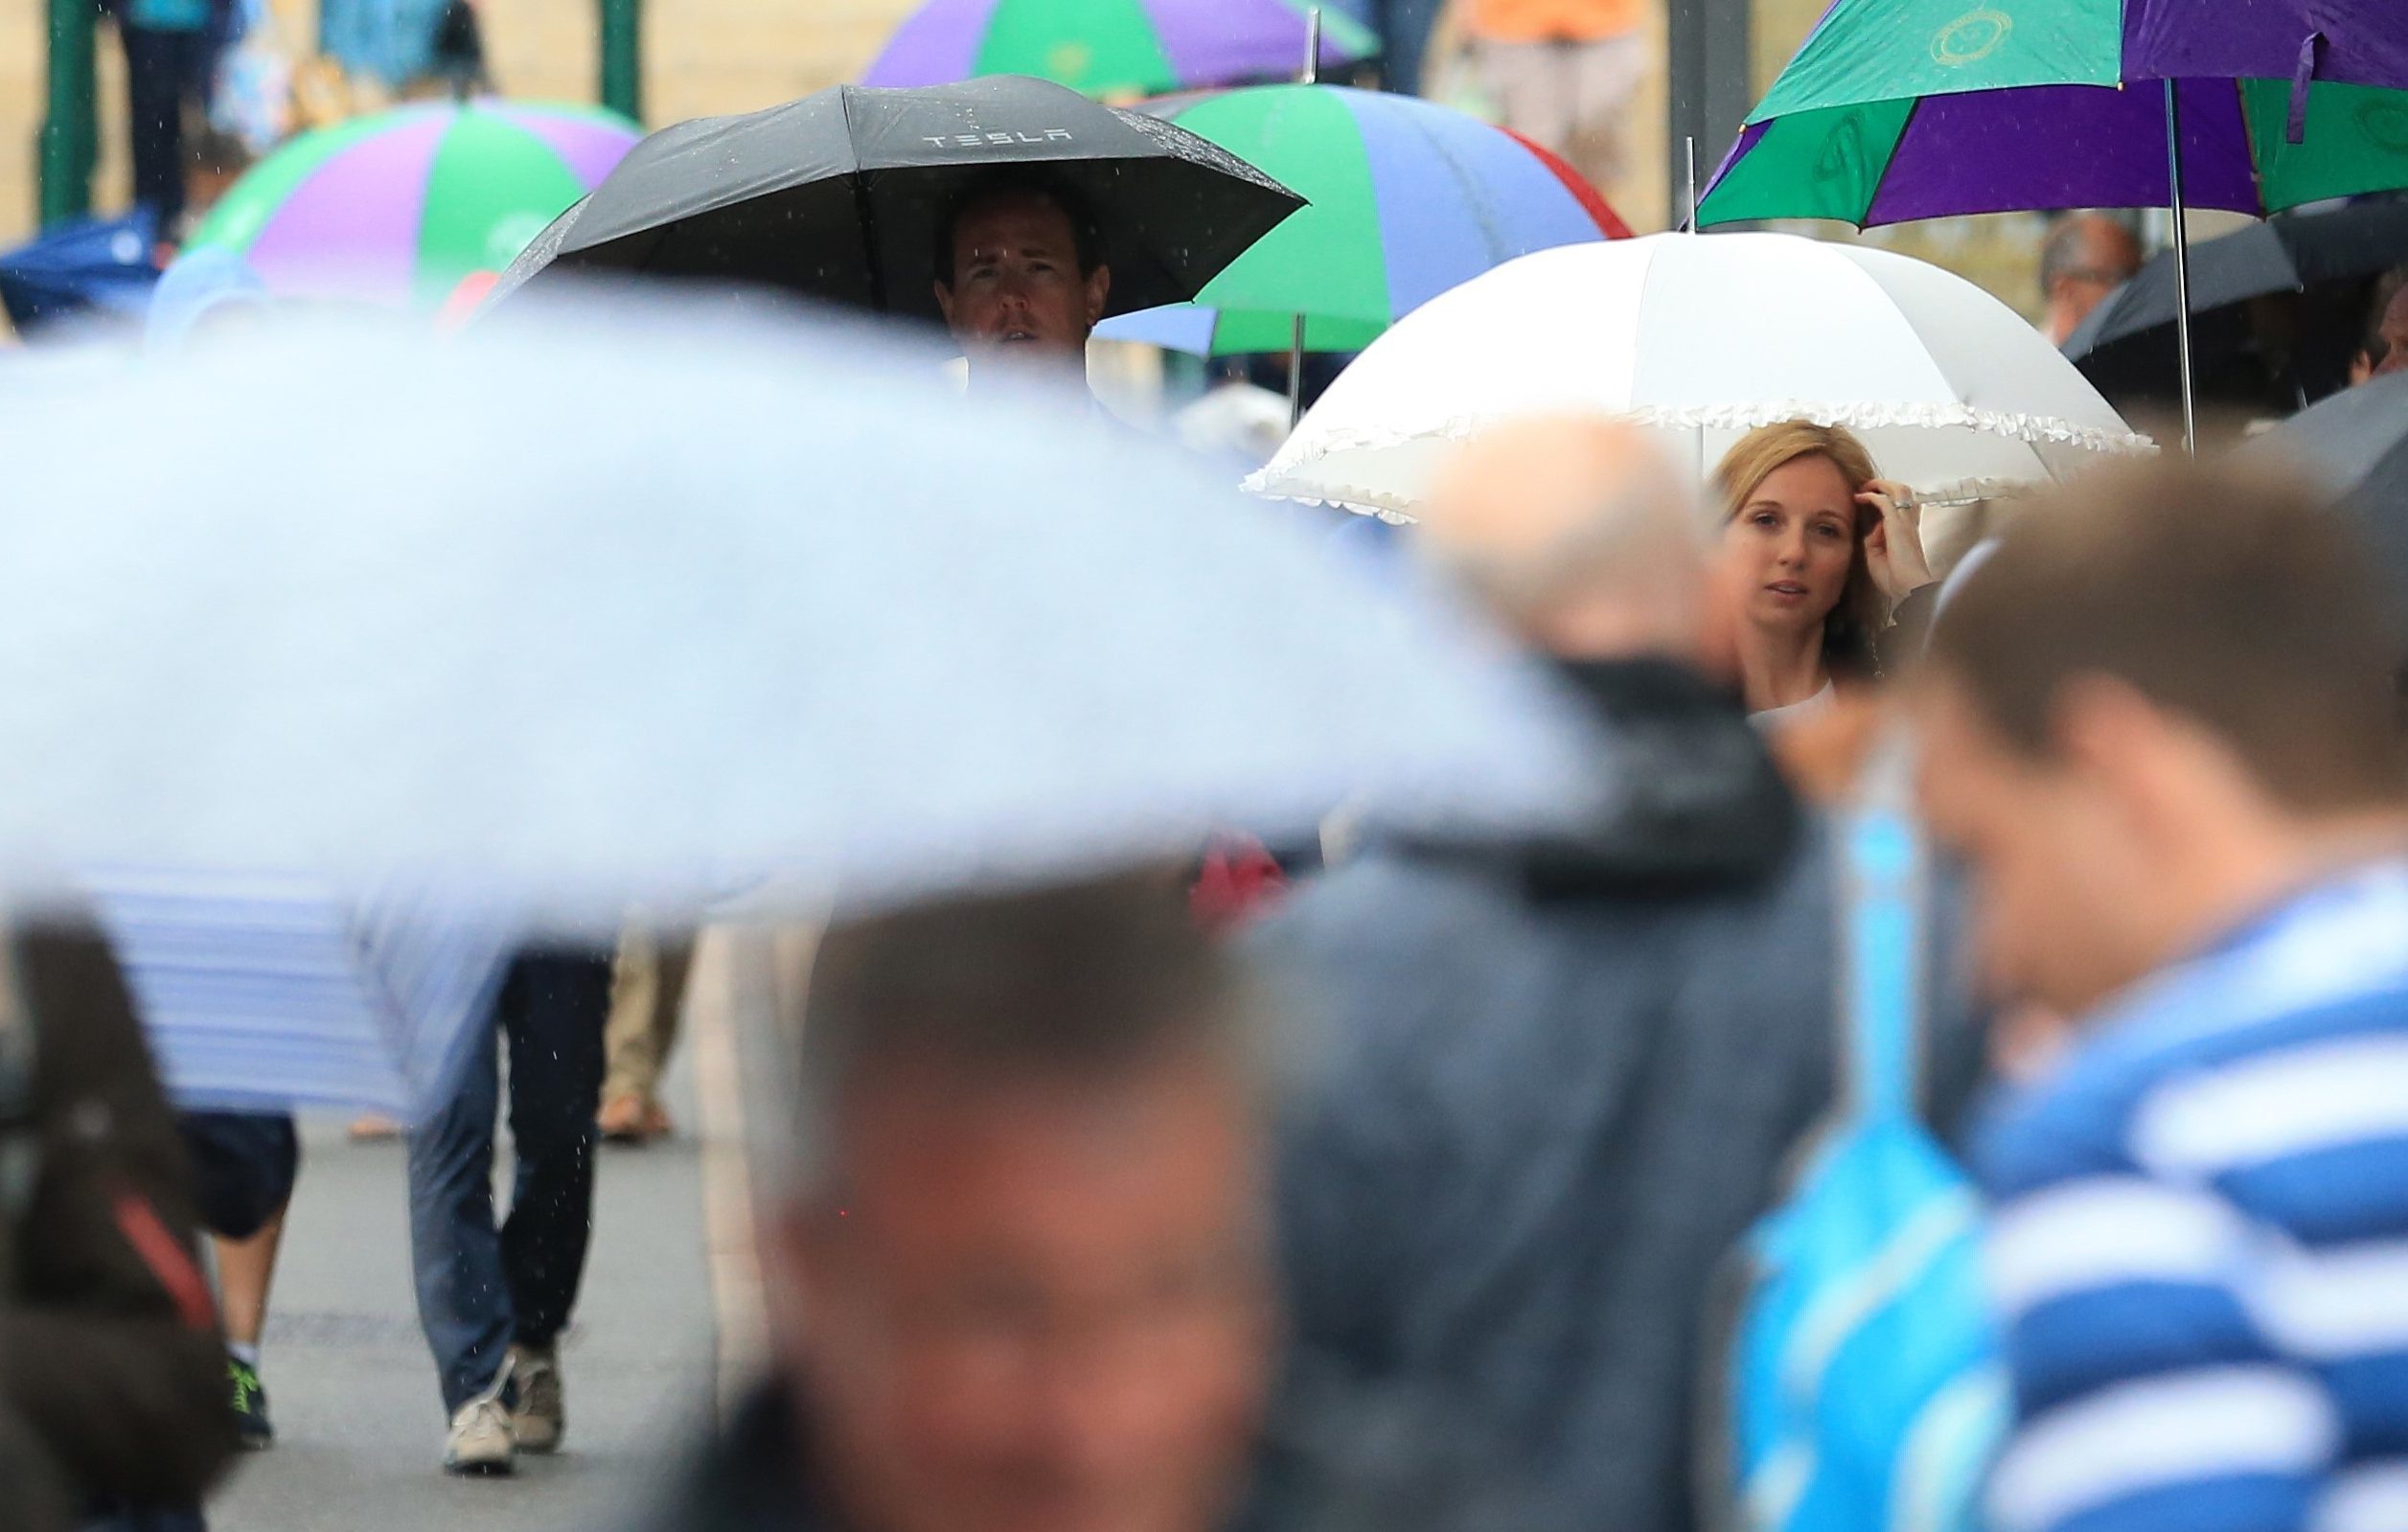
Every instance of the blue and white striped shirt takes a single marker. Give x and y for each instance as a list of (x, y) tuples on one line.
[(2201, 1243)]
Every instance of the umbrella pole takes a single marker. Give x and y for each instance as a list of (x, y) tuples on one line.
[(1311, 76), (1688, 151), (1295, 373), (2182, 268)]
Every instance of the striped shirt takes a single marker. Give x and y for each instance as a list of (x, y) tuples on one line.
[(264, 992), (2200, 1249)]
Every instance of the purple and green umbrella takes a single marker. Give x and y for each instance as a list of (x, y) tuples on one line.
[(1408, 199), (1113, 48), (403, 207), (1902, 110), (1895, 110)]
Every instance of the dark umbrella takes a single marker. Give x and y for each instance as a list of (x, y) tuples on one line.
[(86, 267), (2126, 346), (2355, 445), (838, 195)]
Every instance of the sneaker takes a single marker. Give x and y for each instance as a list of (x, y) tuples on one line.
[(250, 1404), (540, 1414), (481, 1439)]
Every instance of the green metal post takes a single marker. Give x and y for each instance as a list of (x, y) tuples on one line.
[(70, 137), (623, 57)]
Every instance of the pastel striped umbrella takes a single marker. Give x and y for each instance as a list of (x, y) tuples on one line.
[(1110, 49), (1408, 200), (401, 208)]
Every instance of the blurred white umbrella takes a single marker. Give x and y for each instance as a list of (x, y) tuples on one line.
[(570, 618), (1708, 336)]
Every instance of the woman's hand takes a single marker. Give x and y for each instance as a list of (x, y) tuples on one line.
[(1894, 550)]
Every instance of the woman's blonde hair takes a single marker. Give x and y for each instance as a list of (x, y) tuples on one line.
[(1861, 611)]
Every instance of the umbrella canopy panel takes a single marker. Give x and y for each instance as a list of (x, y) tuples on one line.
[(2126, 346), (1406, 200), (400, 208), (1708, 338), (1882, 50), (2355, 446), (1894, 110), (839, 195), (681, 607), (1113, 48), (2060, 145)]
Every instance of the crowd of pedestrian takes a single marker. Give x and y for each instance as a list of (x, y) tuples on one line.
[(1479, 1180)]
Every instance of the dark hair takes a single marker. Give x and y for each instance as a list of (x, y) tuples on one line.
[(1086, 981), (213, 151), (1087, 236), (2226, 596)]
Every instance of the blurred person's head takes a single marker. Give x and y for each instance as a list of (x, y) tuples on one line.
[(1029, 1277), (215, 161), (1021, 276), (1576, 532), (2084, 257), (1792, 559), (2165, 696)]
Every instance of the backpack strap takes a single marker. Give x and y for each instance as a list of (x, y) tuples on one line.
[(1881, 939)]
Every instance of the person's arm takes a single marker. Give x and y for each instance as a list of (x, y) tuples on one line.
[(1899, 647), (109, 1352), (2146, 1395), (1895, 558)]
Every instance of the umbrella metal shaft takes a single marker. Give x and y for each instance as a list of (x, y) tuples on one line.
[(1311, 76), (2182, 268)]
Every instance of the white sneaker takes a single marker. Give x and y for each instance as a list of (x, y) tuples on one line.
[(481, 1439), (540, 1414)]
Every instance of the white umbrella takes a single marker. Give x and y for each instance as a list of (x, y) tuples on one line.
[(573, 618), (1708, 336)]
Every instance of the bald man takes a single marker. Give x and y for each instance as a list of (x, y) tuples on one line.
[(2084, 257), (1554, 1080)]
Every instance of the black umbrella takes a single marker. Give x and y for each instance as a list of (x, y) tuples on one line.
[(838, 195), (2296, 355), (2355, 446)]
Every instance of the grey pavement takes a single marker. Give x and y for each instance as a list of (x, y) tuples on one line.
[(359, 1427)]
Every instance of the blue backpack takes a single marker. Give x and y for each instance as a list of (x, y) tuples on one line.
[(1865, 1387)]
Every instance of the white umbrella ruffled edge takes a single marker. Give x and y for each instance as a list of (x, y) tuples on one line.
[(1284, 481)]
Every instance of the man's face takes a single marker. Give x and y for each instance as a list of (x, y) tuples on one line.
[(1041, 1304), (2060, 889), (1016, 289)]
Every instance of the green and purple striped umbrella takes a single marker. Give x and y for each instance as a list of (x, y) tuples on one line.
[(403, 207), (1895, 110), (1408, 199), (1112, 49)]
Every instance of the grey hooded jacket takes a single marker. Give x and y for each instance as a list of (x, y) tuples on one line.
[(1546, 1088)]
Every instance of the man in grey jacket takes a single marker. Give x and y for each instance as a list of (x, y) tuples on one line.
[(1551, 1084)]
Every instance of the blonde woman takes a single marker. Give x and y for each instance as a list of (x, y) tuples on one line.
[(1815, 553)]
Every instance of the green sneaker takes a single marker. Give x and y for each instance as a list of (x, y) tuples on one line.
[(250, 1404)]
